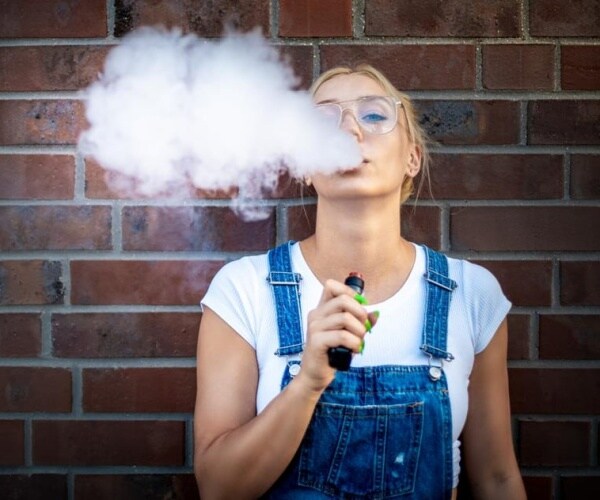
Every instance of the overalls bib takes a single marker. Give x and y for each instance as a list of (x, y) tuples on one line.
[(377, 432)]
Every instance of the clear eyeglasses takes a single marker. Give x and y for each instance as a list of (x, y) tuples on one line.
[(375, 114)]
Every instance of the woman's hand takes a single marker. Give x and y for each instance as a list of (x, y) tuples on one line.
[(338, 320)]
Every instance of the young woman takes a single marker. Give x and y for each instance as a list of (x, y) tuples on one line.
[(274, 419)]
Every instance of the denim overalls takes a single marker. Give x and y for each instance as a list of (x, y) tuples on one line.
[(377, 432)]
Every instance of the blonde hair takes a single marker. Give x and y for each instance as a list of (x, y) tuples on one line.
[(416, 134)]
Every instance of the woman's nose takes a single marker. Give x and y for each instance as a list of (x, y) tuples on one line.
[(349, 123)]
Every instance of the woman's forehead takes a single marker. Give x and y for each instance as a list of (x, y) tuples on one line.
[(346, 87)]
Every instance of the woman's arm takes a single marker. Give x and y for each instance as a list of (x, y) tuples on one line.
[(237, 453), (487, 440)]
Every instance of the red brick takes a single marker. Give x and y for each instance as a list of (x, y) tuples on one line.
[(518, 336), (102, 442), (315, 18), (564, 122), (61, 67), (554, 443), (557, 18), (40, 177), (20, 335), (40, 122), (33, 486), (519, 67), (55, 228), (579, 283), (139, 390), (205, 18), (301, 221), (125, 335), (421, 224), (581, 487), (496, 177), (28, 282), (12, 438), (35, 389), (470, 122), (300, 59), (580, 67), (141, 282), (422, 67), (432, 18), (136, 487), (554, 390), (530, 228), (53, 19), (199, 229), (539, 487), (569, 336), (585, 177), (525, 283)]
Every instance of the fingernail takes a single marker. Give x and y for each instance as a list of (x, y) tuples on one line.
[(362, 346), (368, 325)]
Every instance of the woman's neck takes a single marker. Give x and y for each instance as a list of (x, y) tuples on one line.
[(360, 237)]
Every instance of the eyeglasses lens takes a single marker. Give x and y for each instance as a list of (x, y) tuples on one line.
[(376, 114)]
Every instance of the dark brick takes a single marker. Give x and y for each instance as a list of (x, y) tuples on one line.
[(102, 442), (525, 283), (556, 18), (569, 336), (35, 389), (519, 67), (300, 59), (421, 224), (470, 122), (435, 18), (559, 391), (554, 443), (125, 335), (422, 67), (53, 19), (203, 229), (43, 68), (20, 335), (564, 122), (55, 228), (33, 486), (28, 282), (12, 438), (496, 177), (585, 177), (538, 487), (141, 282), (580, 67), (580, 487), (530, 228), (139, 390), (518, 336), (315, 18), (40, 177), (579, 283), (204, 18), (40, 122), (136, 487)]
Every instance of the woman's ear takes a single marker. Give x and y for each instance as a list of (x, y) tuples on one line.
[(414, 161)]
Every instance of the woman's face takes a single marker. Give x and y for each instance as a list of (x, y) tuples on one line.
[(386, 158)]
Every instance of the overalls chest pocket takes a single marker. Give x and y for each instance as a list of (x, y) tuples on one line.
[(362, 451)]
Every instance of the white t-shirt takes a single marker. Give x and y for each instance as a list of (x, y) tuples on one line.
[(241, 295)]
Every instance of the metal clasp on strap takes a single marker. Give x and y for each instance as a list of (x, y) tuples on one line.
[(435, 372)]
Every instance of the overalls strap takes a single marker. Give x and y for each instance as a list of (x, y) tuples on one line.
[(439, 288), (286, 290)]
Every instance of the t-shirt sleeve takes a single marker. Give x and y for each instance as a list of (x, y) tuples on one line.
[(486, 303), (229, 296)]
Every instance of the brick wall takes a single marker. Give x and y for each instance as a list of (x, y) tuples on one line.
[(98, 294)]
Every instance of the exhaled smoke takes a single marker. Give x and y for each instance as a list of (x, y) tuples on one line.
[(172, 109)]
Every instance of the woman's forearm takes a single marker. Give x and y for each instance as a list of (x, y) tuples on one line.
[(245, 462)]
